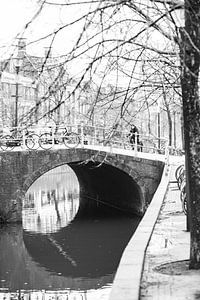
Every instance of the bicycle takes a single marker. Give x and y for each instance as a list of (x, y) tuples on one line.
[(17, 138), (178, 171), (32, 141), (183, 197), (180, 175), (69, 139), (181, 182), (46, 140)]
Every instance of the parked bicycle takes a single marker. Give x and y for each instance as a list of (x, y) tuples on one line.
[(61, 136), (181, 182), (19, 138), (179, 175)]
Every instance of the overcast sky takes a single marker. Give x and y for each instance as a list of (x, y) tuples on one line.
[(15, 14)]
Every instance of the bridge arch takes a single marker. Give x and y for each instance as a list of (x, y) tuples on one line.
[(121, 182), (102, 185)]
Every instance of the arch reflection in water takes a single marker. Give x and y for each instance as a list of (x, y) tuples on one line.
[(57, 255), (52, 201)]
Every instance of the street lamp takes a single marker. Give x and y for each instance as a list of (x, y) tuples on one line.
[(17, 64)]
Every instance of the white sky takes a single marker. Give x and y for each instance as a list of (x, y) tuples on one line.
[(14, 14)]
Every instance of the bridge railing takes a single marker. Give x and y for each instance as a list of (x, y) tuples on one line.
[(86, 136), (121, 139)]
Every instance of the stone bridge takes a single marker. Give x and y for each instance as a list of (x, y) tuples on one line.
[(123, 182)]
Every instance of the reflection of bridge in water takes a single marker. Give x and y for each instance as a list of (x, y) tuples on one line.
[(52, 201), (81, 256)]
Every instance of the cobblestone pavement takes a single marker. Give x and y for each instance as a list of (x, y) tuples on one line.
[(166, 274)]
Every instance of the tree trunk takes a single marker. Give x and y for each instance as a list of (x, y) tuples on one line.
[(191, 115)]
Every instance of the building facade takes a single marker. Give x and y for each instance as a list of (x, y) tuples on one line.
[(17, 92)]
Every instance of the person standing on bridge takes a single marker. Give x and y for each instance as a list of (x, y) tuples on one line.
[(132, 135)]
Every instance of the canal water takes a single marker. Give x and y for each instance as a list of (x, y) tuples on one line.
[(54, 255)]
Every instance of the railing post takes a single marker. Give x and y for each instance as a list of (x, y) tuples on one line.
[(95, 136), (167, 156), (82, 135), (136, 144), (23, 139), (53, 135)]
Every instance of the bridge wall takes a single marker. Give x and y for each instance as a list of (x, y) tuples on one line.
[(124, 183)]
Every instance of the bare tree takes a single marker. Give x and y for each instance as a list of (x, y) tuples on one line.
[(113, 40)]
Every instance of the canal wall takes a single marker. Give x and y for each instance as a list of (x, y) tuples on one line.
[(126, 283)]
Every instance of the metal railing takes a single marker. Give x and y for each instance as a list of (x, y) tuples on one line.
[(73, 136)]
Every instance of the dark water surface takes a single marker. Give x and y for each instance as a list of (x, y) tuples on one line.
[(56, 256)]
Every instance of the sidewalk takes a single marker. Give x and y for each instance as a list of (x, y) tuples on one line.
[(166, 274)]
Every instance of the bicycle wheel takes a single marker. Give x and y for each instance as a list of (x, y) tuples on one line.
[(71, 140), (184, 201), (32, 141), (45, 141), (6, 142), (178, 171), (181, 179)]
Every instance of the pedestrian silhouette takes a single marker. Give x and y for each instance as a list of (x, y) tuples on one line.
[(132, 135)]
